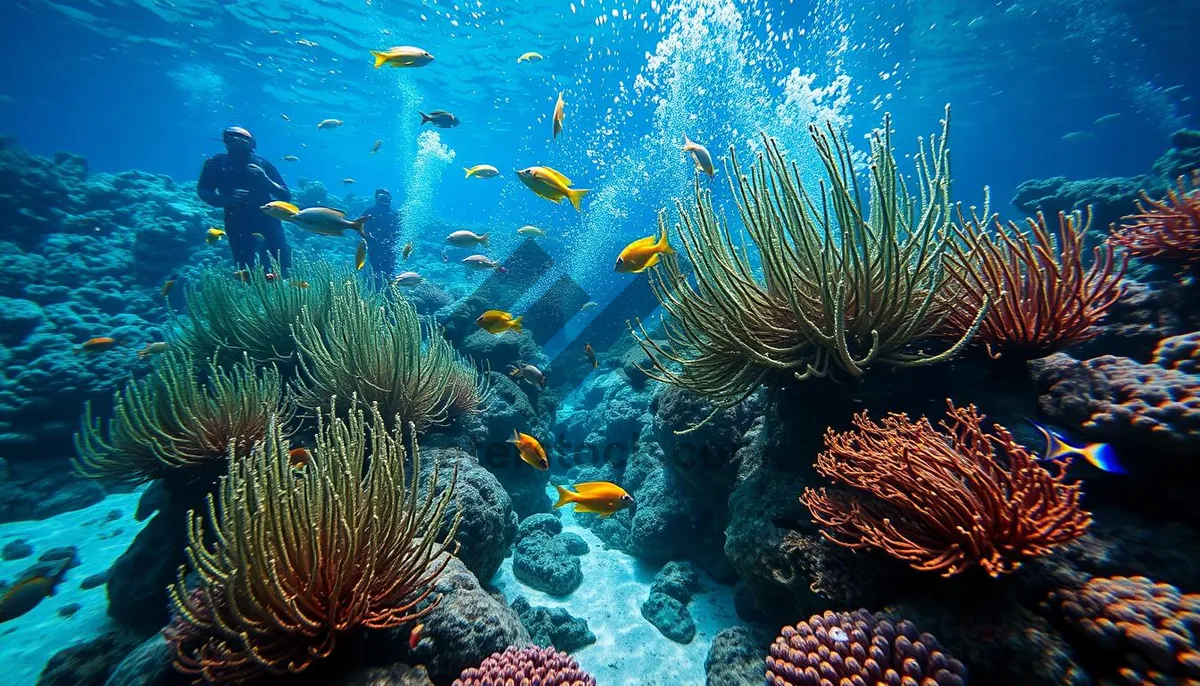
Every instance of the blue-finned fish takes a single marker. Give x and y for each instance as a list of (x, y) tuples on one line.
[(1099, 455)]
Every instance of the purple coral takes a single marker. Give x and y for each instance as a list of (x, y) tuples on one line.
[(859, 648), (526, 667), (1150, 630), (1181, 353)]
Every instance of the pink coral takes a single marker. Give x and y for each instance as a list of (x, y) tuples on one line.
[(859, 648), (526, 667)]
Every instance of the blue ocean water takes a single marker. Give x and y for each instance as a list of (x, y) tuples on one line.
[(110, 108)]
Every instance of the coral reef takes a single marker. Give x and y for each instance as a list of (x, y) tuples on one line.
[(88, 664), (83, 256), (1167, 229), (843, 290), (553, 627), (466, 626), (1038, 295), (1138, 631), (736, 657), (859, 647), (943, 500), (353, 540), (678, 580), (1141, 406), (670, 617), (487, 525), (544, 666), (541, 559)]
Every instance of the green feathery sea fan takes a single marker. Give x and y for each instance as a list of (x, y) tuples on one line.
[(251, 312), (381, 352), (843, 284), (292, 559), (179, 419)]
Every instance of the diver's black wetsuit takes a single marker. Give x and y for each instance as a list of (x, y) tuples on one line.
[(222, 175), (383, 230)]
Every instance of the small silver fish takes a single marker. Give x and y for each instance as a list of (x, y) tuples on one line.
[(483, 263), (530, 373), (408, 279)]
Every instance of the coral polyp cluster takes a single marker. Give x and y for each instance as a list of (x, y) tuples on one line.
[(531, 665), (944, 500), (859, 648), (1166, 229), (1149, 633)]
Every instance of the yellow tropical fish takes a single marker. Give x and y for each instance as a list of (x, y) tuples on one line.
[(529, 57), (360, 255), (499, 321), (402, 56), (481, 171), (280, 210), (552, 185), (532, 452), (597, 497), (700, 156), (213, 235), (558, 115), (642, 254)]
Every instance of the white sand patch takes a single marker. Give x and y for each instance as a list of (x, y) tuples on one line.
[(628, 650), (28, 642)]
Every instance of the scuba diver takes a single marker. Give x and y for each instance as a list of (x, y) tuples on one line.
[(383, 228), (241, 182)]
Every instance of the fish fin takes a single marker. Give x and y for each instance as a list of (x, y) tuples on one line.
[(1103, 457), (516, 437), (575, 195), (424, 117), (468, 171), (662, 244), (650, 262), (485, 238), (289, 207), (380, 58), (564, 496), (358, 225), (516, 324), (686, 142), (589, 486), (591, 509)]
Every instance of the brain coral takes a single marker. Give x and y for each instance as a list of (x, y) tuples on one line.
[(1148, 632), (859, 648), (526, 666)]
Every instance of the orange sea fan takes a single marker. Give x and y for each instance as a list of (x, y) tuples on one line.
[(1043, 297), (1167, 229), (943, 500)]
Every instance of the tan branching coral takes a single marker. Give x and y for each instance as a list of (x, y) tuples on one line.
[(845, 282), (298, 558), (944, 500), (179, 420), (380, 351), (1043, 298)]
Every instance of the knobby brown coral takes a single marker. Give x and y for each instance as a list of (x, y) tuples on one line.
[(944, 500), (1043, 298), (299, 557)]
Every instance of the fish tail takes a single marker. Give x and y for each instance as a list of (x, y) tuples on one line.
[(662, 244), (686, 142), (1103, 457), (380, 58), (485, 238), (516, 324), (516, 437), (425, 118), (468, 171), (564, 496), (359, 226), (575, 195)]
